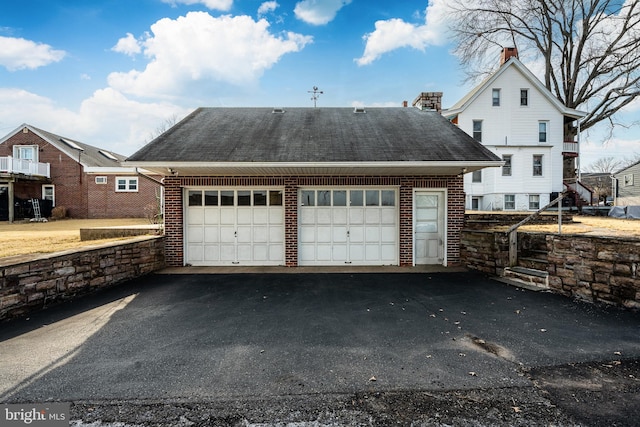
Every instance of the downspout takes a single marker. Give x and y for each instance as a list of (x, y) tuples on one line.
[(578, 165)]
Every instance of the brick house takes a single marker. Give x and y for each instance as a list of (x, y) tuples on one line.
[(313, 186), (58, 171)]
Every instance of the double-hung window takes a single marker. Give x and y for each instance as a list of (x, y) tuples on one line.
[(509, 202), (476, 176), (542, 131), (537, 165), (506, 168), (524, 97), (534, 202), (477, 130), (126, 184), (495, 97)]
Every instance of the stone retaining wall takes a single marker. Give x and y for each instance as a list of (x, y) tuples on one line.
[(33, 283), (593, 268), (598, 269)]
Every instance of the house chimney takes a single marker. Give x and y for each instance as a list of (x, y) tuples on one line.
[(507, 52), (405, 104), (429, 101)]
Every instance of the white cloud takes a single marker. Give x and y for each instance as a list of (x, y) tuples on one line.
[(211, 4), (128, 45), (395, 33), (267, 7), (199, 47), (19, 54), (318, 12), (107, 119)]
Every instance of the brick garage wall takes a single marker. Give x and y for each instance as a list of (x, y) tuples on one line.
[(31, 285), (105, 202), (291, 184), (592, 268)]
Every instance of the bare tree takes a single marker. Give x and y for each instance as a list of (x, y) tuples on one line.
[(589, 49), (164, 126), (604, 165)]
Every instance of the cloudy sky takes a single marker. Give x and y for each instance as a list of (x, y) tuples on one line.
[(112, 73)]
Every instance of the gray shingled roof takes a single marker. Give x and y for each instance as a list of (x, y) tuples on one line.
[(89, 156), (313, 135)]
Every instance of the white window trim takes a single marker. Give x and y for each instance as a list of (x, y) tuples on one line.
[(527, 98), (534, 208), (128, 184), (495, 91), (504, 200), (101, 180), (53, 187), (546, 131), (533, 165), (34, 148), (627, 180)]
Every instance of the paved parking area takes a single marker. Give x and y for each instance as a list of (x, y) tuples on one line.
[(206, 337)]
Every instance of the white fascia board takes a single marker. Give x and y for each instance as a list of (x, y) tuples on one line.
[(101, 170)]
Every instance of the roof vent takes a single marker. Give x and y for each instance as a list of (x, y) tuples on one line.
[(72, 144), (108, 155), (25, 130), (278, 111), (359, 110)]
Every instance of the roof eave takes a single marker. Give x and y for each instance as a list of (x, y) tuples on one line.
[(313, 168)]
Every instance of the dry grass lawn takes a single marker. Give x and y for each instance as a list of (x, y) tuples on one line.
[(53, 236), (594, 225)]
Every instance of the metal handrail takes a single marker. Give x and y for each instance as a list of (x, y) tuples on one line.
[(513, 230)]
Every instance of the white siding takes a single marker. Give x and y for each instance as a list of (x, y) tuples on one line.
[(513, 129)]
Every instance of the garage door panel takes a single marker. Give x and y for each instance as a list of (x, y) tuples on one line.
[(260, 216), (260, 234), (361, 230), (211, 235), (339, 252), (339, 234), (276, 234), (212, 253), (323, 234), (194, 233), (372, 234), (372, 216), (241, 226), (212, 216), (388, 216), (244, 216), (228, 216), (323, 216), (195, 253), (276, 216), (196, 216)]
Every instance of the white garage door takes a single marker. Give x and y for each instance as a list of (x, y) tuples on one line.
[(348, 226), (234, 227)]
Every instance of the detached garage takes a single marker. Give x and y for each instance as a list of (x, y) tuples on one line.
[(313, 186)]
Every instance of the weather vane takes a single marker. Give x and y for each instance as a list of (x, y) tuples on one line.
[(316, 94)]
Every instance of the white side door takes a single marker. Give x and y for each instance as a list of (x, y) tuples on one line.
[(429, 227)]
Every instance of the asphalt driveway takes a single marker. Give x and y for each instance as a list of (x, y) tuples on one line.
[(244, 337)]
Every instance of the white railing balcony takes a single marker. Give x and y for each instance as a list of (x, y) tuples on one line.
[(570, 147), (26, 167)]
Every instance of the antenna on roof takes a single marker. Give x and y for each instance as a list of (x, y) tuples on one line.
[(316, 94)]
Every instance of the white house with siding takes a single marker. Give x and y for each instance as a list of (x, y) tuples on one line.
[(518, 119)]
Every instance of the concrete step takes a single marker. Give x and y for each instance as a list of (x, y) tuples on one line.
[(529, 278), (534, 263)]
